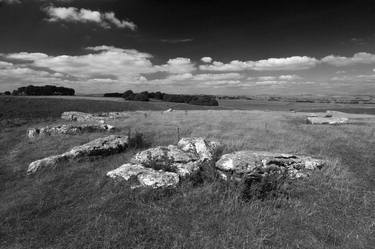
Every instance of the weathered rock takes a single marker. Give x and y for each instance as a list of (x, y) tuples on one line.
[(100, 117), (67, 130), (163, 157), (328, 119), (184, 159), (205, 149), (98, 147), (77, 116), (243, 163), (140, 176), (156, 166)]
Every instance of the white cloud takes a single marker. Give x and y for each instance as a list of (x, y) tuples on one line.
[(206, 59), (4, 64), (177, 66), (271, 64), (219, 76), (358, 58), (104, 64), (357, 79), (106, 67), (289, 63), (27, 56), (266, 78), (71, 14), (290, 77)]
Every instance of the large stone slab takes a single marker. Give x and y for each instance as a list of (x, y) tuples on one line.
[(243, 163), (328, 120), (85, 117), (140, 176), (98, 147), (67, 129)]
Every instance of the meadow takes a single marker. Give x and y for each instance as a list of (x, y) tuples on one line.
[(76, 206)]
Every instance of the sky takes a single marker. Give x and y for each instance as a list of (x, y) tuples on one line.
[(193, 47)]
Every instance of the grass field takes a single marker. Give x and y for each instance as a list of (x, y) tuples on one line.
[(76, 206), (32, 107)]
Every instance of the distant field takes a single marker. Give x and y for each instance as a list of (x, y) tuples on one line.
[(40, 107), (296, 106), (52, 107)]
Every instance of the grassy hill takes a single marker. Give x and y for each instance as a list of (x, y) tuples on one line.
[(76, 206)]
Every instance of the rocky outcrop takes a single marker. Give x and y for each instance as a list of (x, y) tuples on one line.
[(85, 117), (98, 147), (67, 130), (244, 163), (184, 160), (140, 176)]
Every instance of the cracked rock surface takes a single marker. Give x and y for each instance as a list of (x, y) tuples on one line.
[(244, 163), (183, 160), (140, 176)]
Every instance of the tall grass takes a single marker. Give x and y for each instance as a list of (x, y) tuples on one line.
[(77, 207)]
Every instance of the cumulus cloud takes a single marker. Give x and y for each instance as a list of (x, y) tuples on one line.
[(177, 66), (271, 64), (107, 67), (358, 58), (13, 75), (290, 63), (206, 59), (101, 64), (72, 14), (357, 79), (290, 77), (27, 56)]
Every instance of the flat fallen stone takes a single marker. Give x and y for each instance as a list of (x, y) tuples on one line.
[(140, 176), (84, 117), (328, 119), (68, 130), (242, 163), (99, 147)]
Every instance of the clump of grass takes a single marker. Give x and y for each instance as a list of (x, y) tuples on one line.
[(260, 186), (137, 141)]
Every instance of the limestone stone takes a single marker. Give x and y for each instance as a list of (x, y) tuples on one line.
[(68, 129), (242, 163), (140, 176), (99, 147)]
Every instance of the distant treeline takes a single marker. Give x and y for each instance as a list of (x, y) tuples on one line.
[(46, 90), (207, 100)]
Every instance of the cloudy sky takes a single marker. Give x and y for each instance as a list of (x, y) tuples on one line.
[(190, 46)]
